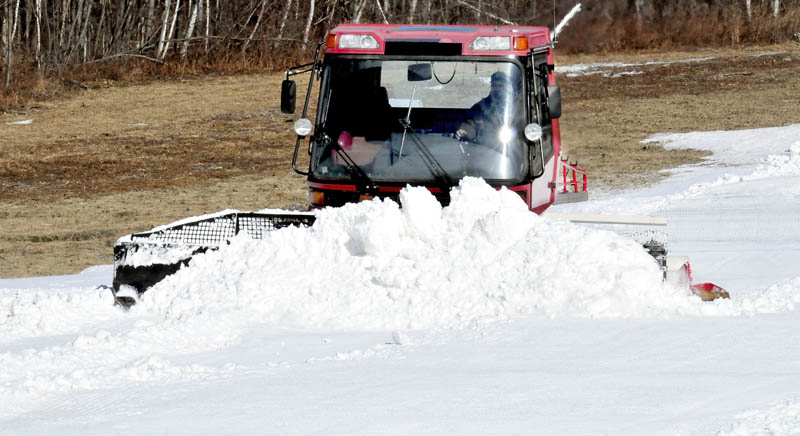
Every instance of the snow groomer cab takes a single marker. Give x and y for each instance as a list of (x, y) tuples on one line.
[(427, 106)]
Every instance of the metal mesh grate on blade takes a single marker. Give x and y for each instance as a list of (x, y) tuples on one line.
[(255, 225), (216, 230)]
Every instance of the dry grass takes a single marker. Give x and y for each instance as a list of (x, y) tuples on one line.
[(118, 159)]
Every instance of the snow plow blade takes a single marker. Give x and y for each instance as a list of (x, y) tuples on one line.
[(678, 272), (143, 259), (709, 291)]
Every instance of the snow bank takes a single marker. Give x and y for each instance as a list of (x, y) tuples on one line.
[(780, 297), (780, 420), (375, 265), (25, 313), (786, 164), (734, 146)]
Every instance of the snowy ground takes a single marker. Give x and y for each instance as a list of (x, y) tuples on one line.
[(477, 319)]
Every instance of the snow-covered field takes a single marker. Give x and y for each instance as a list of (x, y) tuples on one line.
[(479, 318)]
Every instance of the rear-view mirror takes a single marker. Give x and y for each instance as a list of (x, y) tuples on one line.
[(554, 101), (288, 96), (419, 72)]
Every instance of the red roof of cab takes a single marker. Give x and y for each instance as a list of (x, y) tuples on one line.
[(461, 34)]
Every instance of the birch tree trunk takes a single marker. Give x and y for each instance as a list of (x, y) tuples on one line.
[(65, 6), (38, 16), (190, 30), (308, 24), (16, 22), (82, 38), (164, 22), (171, 28), (208, 23), (100, 37), (380, 9), (28, 9), (72, 28), (148, 23), (358, 11), (411, 11), (255, 28), (748, 5), (285, 17), (776, 6), (11, 25)]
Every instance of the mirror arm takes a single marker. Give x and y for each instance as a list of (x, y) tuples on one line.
[(313, 67)]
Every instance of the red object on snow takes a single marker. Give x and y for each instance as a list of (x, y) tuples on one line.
[(709, 291)]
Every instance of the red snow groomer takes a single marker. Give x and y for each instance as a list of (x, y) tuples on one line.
[(399, 105), (428, 105)]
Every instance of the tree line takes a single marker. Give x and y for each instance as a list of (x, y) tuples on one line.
[(48, 36)]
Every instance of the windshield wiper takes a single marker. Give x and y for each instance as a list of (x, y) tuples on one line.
[(425, 152), (363, 182), (430, 159)]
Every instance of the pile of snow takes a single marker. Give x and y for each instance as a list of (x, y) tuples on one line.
[(780, 297), (780, 420), (26, 313), (375, 265), (780, 165)]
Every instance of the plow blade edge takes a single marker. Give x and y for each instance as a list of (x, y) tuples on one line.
[(143, 259)]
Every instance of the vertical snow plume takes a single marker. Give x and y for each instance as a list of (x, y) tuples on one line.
[(564, 21)]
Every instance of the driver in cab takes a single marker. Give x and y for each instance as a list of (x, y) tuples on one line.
[(491, 120)]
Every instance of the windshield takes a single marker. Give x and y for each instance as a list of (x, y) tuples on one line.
[(421, 121)]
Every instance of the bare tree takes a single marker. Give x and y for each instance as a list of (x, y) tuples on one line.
[(172, 27), (208, 24), (493, 16), (359, 9), (11, 25), (162, 40), (38, 17), (190, 28), (255, 28), (308, 24), (52, 35), (285, 17), (380, 9)]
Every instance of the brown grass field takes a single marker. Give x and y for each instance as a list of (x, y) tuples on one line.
[(109, 159)]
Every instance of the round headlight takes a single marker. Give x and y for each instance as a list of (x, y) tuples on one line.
[(302, 126), (367, 41), (533, 132)]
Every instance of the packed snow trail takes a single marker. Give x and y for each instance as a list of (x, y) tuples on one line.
[(398, 311)]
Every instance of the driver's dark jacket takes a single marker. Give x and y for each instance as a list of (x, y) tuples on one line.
[(484, 120)]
